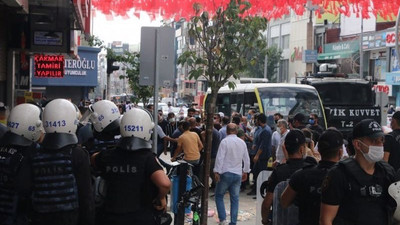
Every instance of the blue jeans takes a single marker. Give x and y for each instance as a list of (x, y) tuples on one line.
[(228, 182)]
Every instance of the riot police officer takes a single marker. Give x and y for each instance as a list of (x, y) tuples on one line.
[(355, 191), (305, 184), (136, 182), (105, 119), (62, 191), (25, 129), (295, 146)]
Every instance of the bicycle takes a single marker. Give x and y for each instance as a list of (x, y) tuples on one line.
[(193, 197), (188, 192)]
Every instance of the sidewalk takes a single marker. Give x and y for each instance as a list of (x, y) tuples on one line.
[(247, 209), (247, 206)]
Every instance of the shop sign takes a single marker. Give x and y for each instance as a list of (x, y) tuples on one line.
[(49, 66), (79, 67), (393, 78), (80, 72), (342, 47), (297, 54), (390, 39), (381, 88), (310, 56)]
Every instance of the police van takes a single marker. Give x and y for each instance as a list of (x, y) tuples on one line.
[(346, 100)]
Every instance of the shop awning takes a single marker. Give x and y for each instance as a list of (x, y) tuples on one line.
[(336, 55)]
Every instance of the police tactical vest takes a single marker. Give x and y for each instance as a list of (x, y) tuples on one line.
[(309, 202), (394, 156), (54, 183), (363, 196), (128, 183), (103, 145), (10, 162)]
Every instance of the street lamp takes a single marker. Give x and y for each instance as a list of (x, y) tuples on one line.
[(310, 32)]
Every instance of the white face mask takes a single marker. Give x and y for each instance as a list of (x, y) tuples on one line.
[(278, 129), (375, 153)]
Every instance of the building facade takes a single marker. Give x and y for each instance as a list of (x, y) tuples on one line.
[(29, 27)]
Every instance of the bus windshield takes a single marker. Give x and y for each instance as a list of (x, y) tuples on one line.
[(289, 101)]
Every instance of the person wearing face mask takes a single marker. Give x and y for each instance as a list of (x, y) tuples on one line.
[(276, 137), (295, 146), (314, 126), (355, 191), (282, 129), (277, 116)]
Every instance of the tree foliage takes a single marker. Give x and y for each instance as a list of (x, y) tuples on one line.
[(223, 43), (256, 62), (131, 63), (95, 41), (274, 55)]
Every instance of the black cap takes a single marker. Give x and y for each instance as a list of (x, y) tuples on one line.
[(300, 117), (294, 139), (396, 116), (367, 128), (330, 139)]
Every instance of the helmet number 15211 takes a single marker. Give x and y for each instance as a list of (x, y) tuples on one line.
[(133, 128)]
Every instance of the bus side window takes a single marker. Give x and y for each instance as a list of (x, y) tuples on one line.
[(233, 105), (240, 104), (250, 101), (223, 104)]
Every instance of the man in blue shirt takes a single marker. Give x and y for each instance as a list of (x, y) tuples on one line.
[(263, 146)]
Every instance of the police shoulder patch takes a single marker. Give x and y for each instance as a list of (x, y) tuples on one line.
[(325, 183)]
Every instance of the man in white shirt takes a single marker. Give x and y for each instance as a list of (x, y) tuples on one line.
[(231, 167), (282, 129)]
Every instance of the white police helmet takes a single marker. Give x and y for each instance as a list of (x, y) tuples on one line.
[(25, 120), (103, 114), (60, 116), (137, 123)]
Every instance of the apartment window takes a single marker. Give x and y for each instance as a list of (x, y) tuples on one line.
[(275, 41), (285, 41), (284, 71)]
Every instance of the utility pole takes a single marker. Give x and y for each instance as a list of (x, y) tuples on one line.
[(361, 48)]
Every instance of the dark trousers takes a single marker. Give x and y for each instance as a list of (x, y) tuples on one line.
[(57, 218), (257, 168), (144, 216)]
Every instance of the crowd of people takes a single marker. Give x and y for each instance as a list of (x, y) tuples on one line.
[(54, 169)]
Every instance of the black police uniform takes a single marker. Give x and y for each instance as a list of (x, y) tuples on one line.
[(392, 145), (3, 130), (307, 184), (62, 191), (130, 191), (284, 171), (15, 179), (95, 141), (363, 199)]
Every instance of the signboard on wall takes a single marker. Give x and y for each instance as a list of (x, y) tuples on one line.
[(310, 56), (393, 78), (80, 72), (49, 66)]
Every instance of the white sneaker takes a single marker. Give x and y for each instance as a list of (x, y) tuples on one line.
[(223, 223)]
